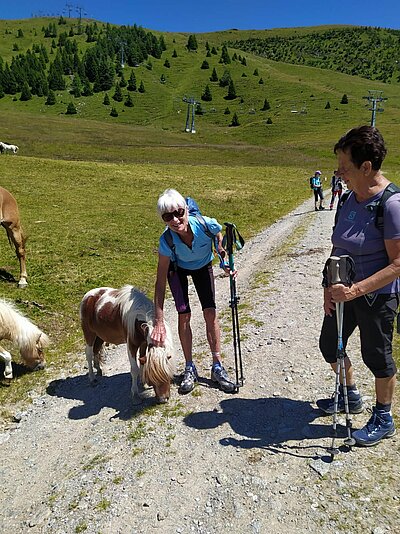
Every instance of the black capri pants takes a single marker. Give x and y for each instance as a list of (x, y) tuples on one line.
[(203, 280), (375, 321)]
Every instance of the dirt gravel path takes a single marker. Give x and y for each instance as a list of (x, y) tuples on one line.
[(83, 459)]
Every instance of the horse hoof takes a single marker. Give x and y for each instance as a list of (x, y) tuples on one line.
[(162, 400), (22, 285)]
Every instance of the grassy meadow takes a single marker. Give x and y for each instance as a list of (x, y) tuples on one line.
[(87, 185)]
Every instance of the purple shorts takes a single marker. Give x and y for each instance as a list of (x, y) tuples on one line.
[(203, 280)]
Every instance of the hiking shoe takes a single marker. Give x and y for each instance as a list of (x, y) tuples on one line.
[(220, 376), (189, 378), (380, 426), (354, 398), (316, 209), (321, 208)]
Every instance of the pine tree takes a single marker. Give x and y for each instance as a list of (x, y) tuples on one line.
[(51, 98), (206, 96), (344, 100), (266, 105), (231, 91), (174, 54), (235, 120), (192, 43), (205, 65), (227, 111), (198, 109), (141, 87), (132, 82), (163, 78), (261, 81), (106, 100), (225, 79), (214, 76), (328, 105), (71, 109), (167, 64), (118, 96), (214, 51), (269, 120), (114, 112), (225, 58), (243, 61), (129, 102), (255, 73), (26, 92), (76, 87), (122, 81)]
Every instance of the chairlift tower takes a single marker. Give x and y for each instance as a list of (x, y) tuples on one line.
[(122, 48), (69, 7), (374, 99), (191, 102)]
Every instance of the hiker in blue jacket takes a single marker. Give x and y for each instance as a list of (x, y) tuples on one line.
[(370, 303), (316, 186), (189, 254)]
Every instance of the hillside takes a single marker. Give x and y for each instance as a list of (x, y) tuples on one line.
[(134, 85)]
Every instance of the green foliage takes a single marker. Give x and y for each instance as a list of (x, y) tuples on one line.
[(225, 58), (71, 109), (118, 96), (167, 64), (207, 96), (214, 76), (25, 93), (266, 105), (260, 81), (113, 112), (327, 105), (51, 98), (225, 79), (269, 120), (129, 101), (235, 120), (141, 87), (205, 65), (174, 53), (192, 43), (359, 51), (231, 92), (344, 99), (106, 100)]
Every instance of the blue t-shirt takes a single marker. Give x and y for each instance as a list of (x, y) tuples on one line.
[(200, 253), (356, 234), (316, 181)]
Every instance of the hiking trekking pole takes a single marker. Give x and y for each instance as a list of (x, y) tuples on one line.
[(231, 241), (340, 270)]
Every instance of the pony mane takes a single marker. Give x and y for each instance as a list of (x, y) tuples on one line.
[(134, 305), (15, 327)]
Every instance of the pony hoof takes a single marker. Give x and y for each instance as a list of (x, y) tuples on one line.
[(22, 284), (162, 400)]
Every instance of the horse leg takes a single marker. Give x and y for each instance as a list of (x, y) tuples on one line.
[(137, 386), (98, 355), (15, 235), (89, 359), (6, 357)]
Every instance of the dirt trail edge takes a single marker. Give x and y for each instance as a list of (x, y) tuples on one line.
[(83, 459)]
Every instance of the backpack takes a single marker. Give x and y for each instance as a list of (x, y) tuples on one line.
[(193, 209), (378, 205)]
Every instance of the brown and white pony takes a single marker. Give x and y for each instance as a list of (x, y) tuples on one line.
[(29, 338), (10, 220), (126, 316)]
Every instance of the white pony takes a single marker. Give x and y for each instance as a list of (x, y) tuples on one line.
[(5, 147), (126, 316), (29, 338)]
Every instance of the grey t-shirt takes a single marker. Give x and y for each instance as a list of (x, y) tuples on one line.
[(356, 234)]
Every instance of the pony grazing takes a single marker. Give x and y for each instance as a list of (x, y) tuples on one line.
[(126, 316), (10, 220), (5, 147), (29, 338)]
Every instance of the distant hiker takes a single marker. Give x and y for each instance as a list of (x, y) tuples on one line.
[(336, 188), (316, 186), (371, 237), (185, 249)]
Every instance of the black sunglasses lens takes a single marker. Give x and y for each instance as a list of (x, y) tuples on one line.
[(167, 217)]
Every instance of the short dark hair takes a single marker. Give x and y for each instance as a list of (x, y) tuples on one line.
[(364, 143)]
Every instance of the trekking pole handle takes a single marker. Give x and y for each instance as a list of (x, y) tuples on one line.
[(340, 270)]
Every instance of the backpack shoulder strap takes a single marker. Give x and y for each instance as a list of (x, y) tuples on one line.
[(204, 225), (170, 242), (390, 190), (342, 200)]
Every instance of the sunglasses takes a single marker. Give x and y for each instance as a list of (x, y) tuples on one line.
[(179, 213)]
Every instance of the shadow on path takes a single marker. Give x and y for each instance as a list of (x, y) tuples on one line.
[(109, 392), (267, 423)]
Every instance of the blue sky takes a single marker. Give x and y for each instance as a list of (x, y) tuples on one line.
[(209, 15)]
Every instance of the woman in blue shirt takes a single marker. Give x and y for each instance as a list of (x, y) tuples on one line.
[(190, 255)]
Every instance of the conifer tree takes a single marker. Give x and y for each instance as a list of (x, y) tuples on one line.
[(192, 43), (225, 79), (167, 64), (71, 109), (26, 92), (227, 111), (214, 76), (132, 82), (118, 96), (141, 87), (122, 81), (174, 54), (261, 81), (344, 100), (114, 112), (235, 120), (205, 65), (255, 73), (231, 91), (76, 87), (266, 105), (225, 58), (106, 100), (328, 105), (51, 98), (207, 96), (128, 101)]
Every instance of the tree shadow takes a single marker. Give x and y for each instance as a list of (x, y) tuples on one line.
[(268, 423), (109, 392)]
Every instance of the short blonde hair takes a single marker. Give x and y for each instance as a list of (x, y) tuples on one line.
[(169, 201)]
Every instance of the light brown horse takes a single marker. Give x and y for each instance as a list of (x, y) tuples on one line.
[(29, 338), (10, 220), (126, 316)]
